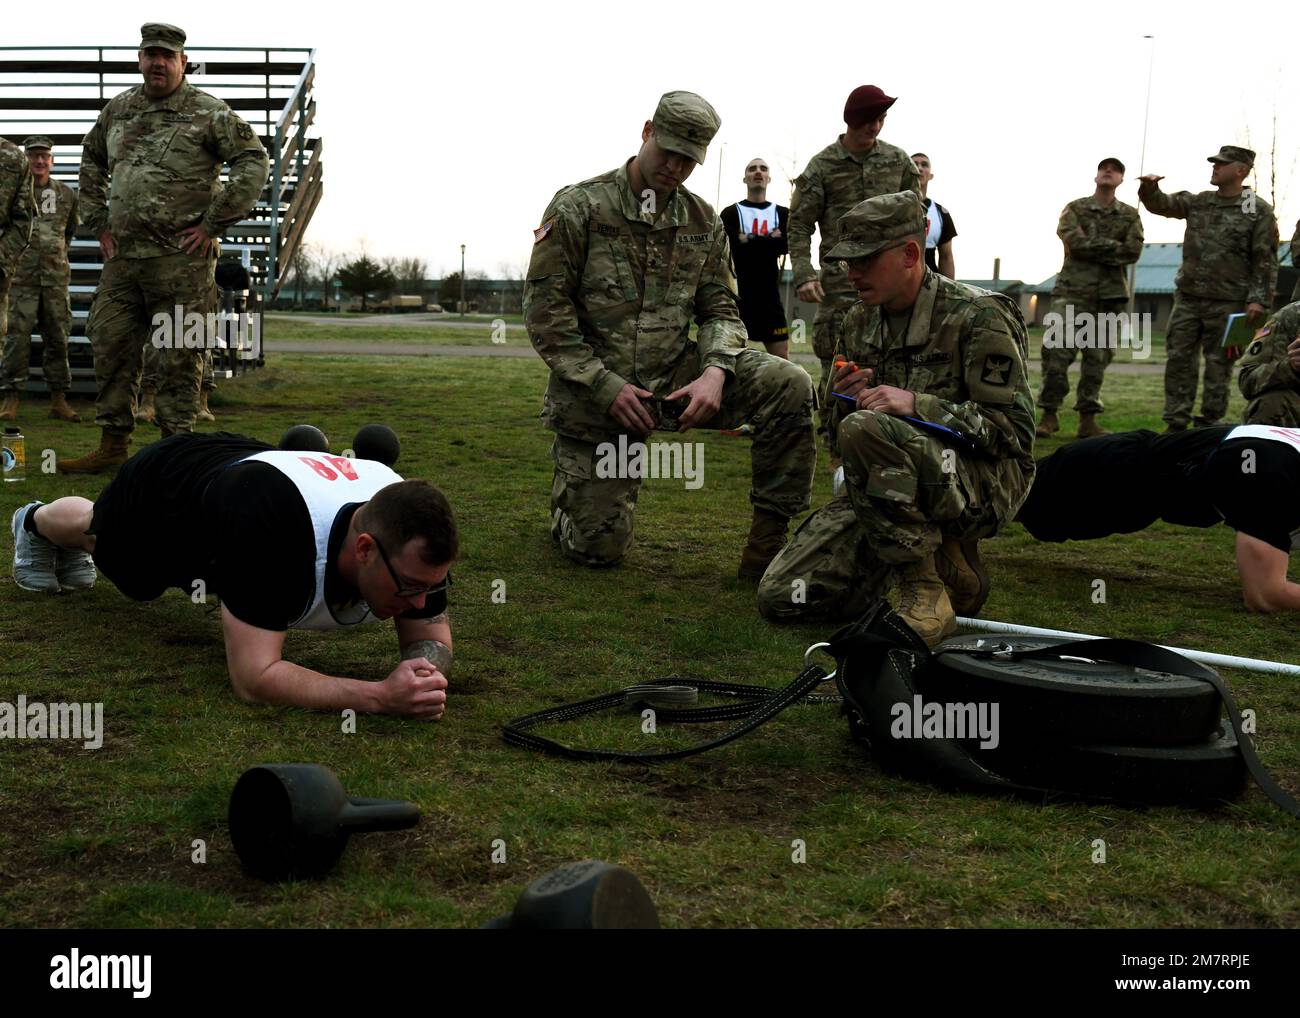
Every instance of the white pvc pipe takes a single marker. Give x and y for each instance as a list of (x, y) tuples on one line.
[(1250, 664)]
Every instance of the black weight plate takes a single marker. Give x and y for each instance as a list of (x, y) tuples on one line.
[(1209, 770), (1073, 700)]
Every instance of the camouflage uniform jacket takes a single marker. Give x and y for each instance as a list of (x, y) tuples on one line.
[(152, 167), (611, 293), (1230, 247), (963, 355), (835, 180), (1100, 242), (1265, 364), (17, 208), (44, 262)]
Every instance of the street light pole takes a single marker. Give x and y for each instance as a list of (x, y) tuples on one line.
[(1142, 164), (462, 281)]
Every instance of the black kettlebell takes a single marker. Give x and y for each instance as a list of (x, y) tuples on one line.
[(588, 895), (377, 442), (304, 438), (290, 821)]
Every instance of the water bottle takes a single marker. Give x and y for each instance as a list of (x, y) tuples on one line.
[(14, 454)]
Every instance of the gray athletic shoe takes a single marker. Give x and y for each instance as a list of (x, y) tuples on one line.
[(33, 556), (75, 569)]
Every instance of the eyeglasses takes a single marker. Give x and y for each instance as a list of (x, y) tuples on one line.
[(397, 581)]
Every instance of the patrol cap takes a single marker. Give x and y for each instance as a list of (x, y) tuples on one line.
[(163, 36), (1111, 161), (865, 103), (37, 142), (877, 223), (684, 122), (1233, 154)]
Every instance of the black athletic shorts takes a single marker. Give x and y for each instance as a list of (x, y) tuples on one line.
[(149, 526), (764, 318)]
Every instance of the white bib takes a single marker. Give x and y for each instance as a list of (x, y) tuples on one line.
[(758, 222), (328, 483), (1288, 436)]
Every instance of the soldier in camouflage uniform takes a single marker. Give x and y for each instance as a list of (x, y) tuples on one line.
[(936, 435), (17, 210), (1102, 236), (856, 166), (146, 412), (38, 297), (162, 145), (1229, 265), (621, 265), (1270, 371)]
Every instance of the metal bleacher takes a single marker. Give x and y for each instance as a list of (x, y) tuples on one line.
[(59, 91)]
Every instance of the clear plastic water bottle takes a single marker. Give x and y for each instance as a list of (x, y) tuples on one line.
[(14, 454)]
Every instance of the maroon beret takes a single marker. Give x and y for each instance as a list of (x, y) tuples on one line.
[(865, 104)]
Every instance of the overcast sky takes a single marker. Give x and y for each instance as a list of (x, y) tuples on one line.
[(451, 124)]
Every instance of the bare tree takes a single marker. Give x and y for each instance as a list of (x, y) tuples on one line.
[(327, 262), (301, 270)]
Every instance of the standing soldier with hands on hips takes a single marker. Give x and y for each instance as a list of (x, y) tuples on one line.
[(1102, 236), (17, 209), (621, 265), (39, 292), (151, 190), (1229, 265)]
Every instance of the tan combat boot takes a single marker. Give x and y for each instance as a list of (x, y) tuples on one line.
[(146, 411), (9, 409), (204, 413), (958, 565), (766, 539), (60, 410), (111, 453), (1089, 428), (1049, 425), (923, 602)]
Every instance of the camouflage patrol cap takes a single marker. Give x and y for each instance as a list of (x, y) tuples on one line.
[(684, 122), (1232, 154), (37, 142), (877, 223), (163, 36)]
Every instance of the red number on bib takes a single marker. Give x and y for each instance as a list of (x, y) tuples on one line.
[(344, 467), (320, 468)]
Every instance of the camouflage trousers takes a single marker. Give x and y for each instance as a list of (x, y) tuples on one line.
[(1279, 407), (45, 309), (826, 336), (1092, 367), (151, 374), (1196, 327), (593, 513), (904, 492), (132, 293)]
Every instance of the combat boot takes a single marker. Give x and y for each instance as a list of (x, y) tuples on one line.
[(9, 409), (923, 602), (1089, 428), (146, 411), (111, 453), (60, 410), (766, 539), (204, 413), (1049, 425), (958, 565)]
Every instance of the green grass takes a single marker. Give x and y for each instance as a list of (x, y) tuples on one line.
[(105, 837)]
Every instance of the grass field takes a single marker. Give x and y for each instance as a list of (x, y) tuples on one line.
[(104, 838)]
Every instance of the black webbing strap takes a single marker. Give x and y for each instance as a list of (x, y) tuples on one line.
[(1158, 659), (757, 705)]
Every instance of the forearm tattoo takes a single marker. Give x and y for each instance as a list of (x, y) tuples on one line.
[(434, 650)]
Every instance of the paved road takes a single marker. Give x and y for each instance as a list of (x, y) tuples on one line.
[(517, 348)]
